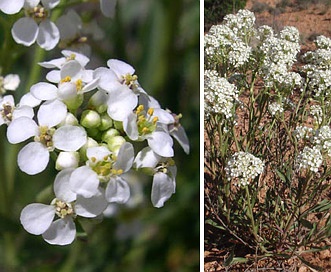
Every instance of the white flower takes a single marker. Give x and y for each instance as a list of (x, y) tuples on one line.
[(36, 26), (9, 112), (164, 175), (147, 125), (120, 84), (10, 6), (38, 218), (33, 158), (72, 80), (103, 166), (9, 83), (108, 7)]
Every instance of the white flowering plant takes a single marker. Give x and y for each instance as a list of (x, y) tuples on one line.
[(85, 138), (267, 139)]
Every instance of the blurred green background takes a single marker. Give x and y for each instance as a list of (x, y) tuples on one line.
[(161, 40)]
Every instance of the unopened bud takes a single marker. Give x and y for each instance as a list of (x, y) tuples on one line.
[(90, 119)]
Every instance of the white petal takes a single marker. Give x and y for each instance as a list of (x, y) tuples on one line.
[(84, 181), (44, 91), (54, 76), (10, 6), (98, 152), (61, 232), (71, 68), (117, 190), (55, 63), (50, 4), (161, 143), (48, 36), (130, 126), (180, 135), (121, 102), (29, 100), (23, 111), (108, 7), (36, 218), (163, 116), (146, 158), (11, 82), (21, 129), (125, 157), (120, 67), (61, 186), (67, 90), (107, 78), (33, 158), (162, 189), (52, 113), (25, 31), (67, 159), (31, 3), (91, 207), (69, 138)]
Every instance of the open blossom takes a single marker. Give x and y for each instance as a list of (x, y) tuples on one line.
[(9, 111), (104, 167), (146, 125), (164, 175), (38, 218), (36, 26), (309, 158), (34, 157)]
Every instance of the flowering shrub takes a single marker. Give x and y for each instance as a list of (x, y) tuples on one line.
[(267, 123), (83, 117)]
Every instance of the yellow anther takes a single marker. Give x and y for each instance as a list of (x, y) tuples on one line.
[(79, 84), (141, 119), (145, 130), (155, 119), (71, 57), (93, 159), (119, 171), (150, 111), (66, 79), (140, 108), (82, 40), (105, 157)]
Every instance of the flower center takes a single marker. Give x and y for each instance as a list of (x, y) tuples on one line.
[(104, 168), (45, 136), (163, 166), (7, 113), (63, 209), (130, 80), (38, 13), (79, 83), (145, 121)]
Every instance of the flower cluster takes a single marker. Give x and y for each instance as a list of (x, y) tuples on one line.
[(275, 108), (243, 167), (220, 95), (309, 158), (99, 125)]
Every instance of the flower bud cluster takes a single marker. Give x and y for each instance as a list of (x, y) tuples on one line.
[(243, 167), (220, 95), (101, 126)]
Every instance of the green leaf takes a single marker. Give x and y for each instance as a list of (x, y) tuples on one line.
[(229, 259), (214, 224)]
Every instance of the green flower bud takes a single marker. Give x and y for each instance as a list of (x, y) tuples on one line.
[(115, 143), (110, 133), (90, 119), (118, 125), (106, 122), (74, 103)]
